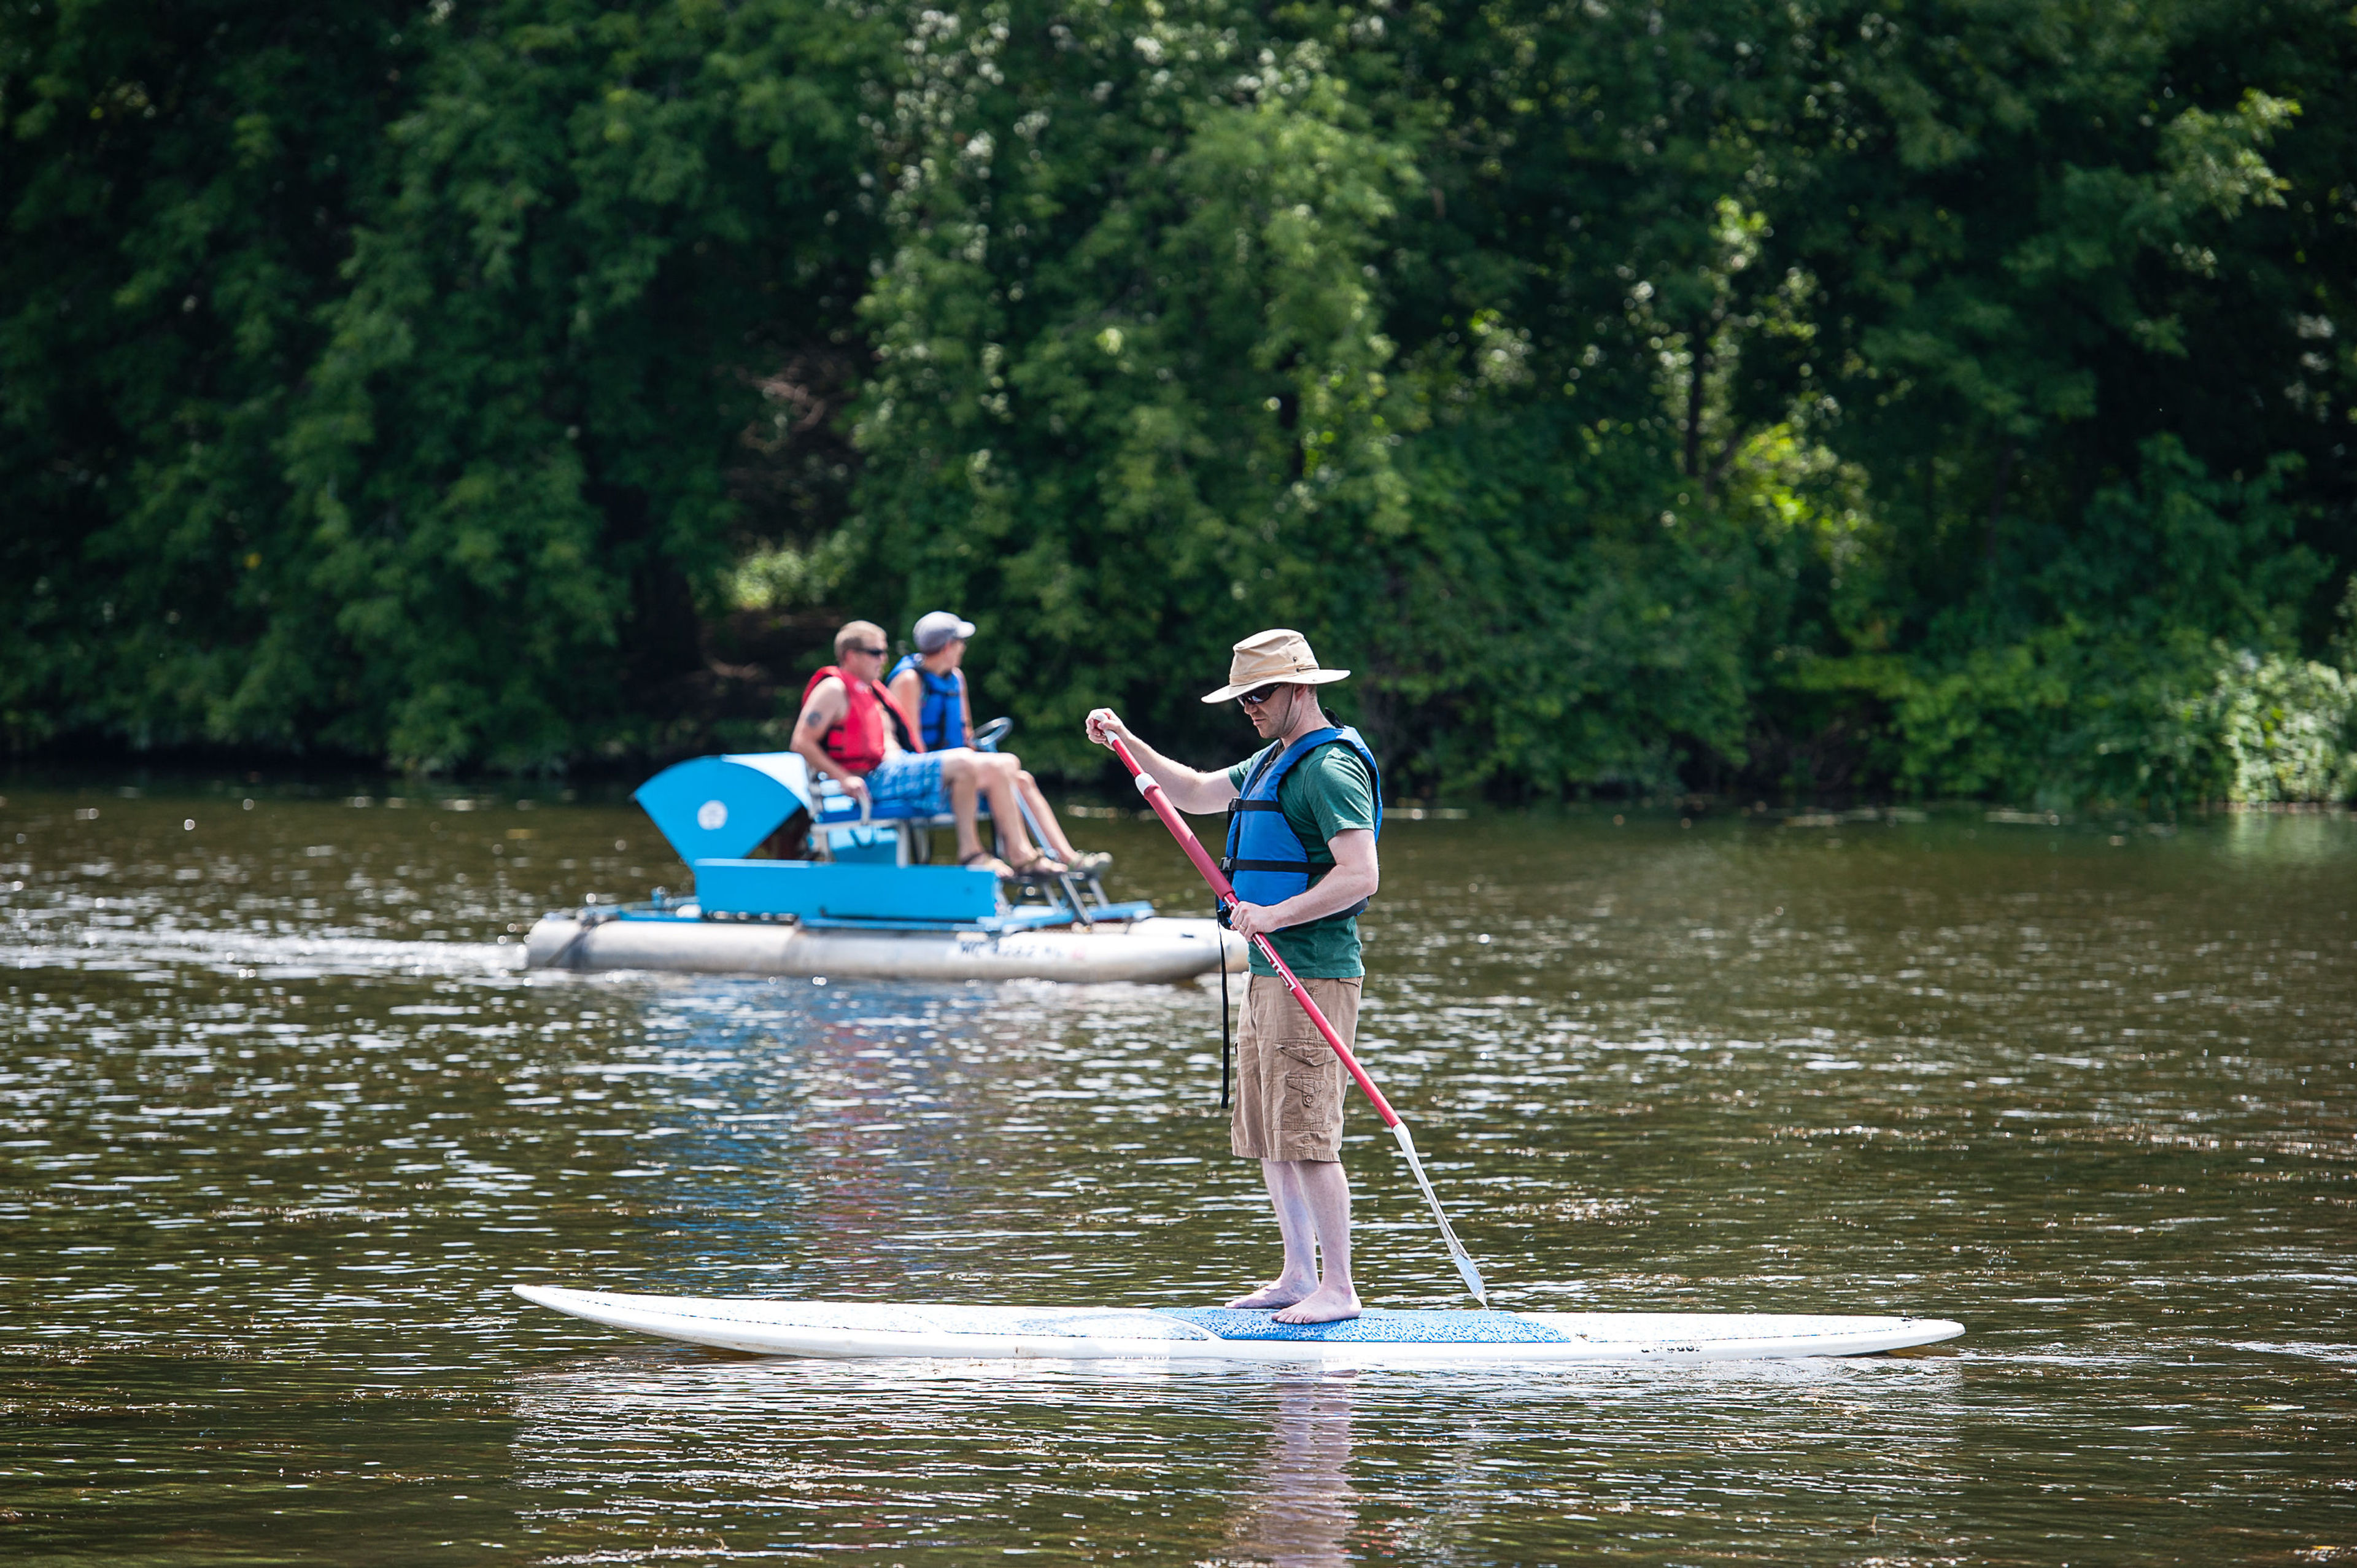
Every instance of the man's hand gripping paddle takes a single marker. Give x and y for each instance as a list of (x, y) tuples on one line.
[(1226, 894)]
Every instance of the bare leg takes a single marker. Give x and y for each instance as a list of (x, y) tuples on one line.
[(962, 785), (1293, 1223), (1312, 1199), (1323, 1193), (1044, 814), (997, 783)]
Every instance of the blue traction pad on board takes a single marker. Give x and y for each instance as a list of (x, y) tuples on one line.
[(1375, 1327)]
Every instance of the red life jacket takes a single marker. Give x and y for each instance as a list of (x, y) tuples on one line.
[(857, 742)]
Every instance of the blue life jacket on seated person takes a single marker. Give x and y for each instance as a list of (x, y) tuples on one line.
[(943, 715), (1266, 860)]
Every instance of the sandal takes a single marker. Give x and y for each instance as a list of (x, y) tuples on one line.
[(982, 859), (1090, 863), (1040, 865)]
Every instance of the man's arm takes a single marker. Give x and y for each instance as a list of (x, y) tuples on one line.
[(1200, 794), (1356, 875), (820, 713)]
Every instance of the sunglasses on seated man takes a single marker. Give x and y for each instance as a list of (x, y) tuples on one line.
[(1255, 698), (871, 652)]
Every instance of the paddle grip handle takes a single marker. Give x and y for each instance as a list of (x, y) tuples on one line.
[(1225, 892)]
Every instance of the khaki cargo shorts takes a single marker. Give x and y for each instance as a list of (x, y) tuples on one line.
[(1289, 1082)]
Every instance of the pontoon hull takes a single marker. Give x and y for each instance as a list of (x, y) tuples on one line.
[(1156, 950)]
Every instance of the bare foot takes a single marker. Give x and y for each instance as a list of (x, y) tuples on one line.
[(1324, 1304), (1277, 1292)]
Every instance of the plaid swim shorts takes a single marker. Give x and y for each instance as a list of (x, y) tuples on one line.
[(906, 786)]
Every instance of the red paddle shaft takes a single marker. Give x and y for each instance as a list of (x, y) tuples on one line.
[(1225, 891), (1152, 789)]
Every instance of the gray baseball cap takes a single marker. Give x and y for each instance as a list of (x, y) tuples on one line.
[(938, 628)]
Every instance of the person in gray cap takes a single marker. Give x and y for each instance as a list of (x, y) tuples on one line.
[(1303, 816), (930, 683)]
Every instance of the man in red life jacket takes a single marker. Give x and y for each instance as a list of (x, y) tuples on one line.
[(855, 732)]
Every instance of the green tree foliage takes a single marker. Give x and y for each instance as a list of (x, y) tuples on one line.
[(451, 476), (178, 182), (1131, 381), (1808, 389), (1950, 397), (608, 226)]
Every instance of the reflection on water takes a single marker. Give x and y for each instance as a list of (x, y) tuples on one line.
[(1301, 1509), (1084, 1462), (279, 1122)]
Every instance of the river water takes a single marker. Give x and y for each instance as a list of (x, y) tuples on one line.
[(279, 1123)]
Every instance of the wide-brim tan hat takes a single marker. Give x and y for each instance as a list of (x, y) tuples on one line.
[(1269, 656)]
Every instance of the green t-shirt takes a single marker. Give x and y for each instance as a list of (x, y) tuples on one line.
[(1328, 792)]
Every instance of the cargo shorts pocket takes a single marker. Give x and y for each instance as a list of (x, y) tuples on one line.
[(1311, 1091)]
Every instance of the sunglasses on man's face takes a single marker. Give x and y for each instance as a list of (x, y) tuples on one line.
[(871, 652), (1254, 699)]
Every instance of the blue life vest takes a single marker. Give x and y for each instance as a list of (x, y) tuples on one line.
[(942, 717), (1265, 859)]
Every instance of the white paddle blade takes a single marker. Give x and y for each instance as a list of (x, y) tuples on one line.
[(1472, 1273), (1466, 1267)]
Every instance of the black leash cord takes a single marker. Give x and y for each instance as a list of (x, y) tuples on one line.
[(1226, 1047)]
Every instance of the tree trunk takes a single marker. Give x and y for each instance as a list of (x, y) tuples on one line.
[(1697, 338), (1996, 500)]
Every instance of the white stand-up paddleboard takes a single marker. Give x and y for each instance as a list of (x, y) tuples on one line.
[(851, 1330)]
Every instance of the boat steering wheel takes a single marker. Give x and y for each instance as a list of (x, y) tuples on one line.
[(987, 737)]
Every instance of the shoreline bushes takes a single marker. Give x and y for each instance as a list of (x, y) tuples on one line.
[(1948, 399)]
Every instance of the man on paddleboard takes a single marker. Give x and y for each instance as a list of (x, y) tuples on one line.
[(1304, 813)]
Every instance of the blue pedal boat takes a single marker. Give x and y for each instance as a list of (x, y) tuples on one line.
[(866, 904)]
